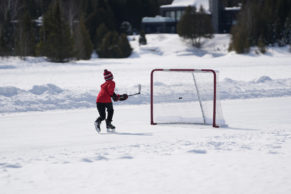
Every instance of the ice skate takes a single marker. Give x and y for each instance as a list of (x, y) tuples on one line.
[(97, 125), (110, 127)]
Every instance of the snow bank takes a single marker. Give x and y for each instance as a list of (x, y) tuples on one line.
[(264, 86), (42, 97), (50, 96)]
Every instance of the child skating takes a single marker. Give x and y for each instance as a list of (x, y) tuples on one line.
[(104, 102)]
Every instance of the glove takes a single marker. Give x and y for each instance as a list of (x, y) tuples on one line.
[(123, 97), (115, 97)]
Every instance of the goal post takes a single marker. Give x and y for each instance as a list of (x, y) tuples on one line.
[(185, 96)]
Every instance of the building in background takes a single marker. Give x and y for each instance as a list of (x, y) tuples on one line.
[(223, 18)]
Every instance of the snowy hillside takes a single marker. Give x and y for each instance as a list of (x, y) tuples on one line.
[(48, 143)]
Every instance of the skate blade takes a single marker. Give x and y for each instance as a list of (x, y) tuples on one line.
[(96, 128), (111, 131)]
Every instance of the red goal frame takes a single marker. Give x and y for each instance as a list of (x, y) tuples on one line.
[(184, 70)]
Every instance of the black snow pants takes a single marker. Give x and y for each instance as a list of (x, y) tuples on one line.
[(101, 109)]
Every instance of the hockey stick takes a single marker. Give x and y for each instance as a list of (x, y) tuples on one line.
[(139, 89)]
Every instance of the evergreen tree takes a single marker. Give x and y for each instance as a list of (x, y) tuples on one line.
[(98, 12), (240, 40), (124, 46), (25, 41), (264, 22), (114, 45), (142, 38), (262, 45), (6, 38), (83, 45), (286, 39), (101, 31), (57, 42), (109, 46), (195, 25)]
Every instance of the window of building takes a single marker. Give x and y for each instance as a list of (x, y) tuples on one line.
[(172, 14), (179, 14)]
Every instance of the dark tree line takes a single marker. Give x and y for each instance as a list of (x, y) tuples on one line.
[(70, 29), (63, 30), (262, 23)]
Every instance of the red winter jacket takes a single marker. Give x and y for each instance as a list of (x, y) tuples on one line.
[(107, 90)]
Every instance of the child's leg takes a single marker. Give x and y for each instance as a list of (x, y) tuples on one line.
[(109, 126), (101, 110), (110, 112)]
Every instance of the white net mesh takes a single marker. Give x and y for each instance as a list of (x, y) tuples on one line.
[(185, 97)]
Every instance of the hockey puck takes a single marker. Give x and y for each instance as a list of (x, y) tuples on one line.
[(180, 98)]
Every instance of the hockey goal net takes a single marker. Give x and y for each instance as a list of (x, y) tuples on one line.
[(185, 96)]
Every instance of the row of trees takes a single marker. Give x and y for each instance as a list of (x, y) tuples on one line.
[(262, 23), (66, 29)]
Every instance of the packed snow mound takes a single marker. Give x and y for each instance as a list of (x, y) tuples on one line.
[(50, 96), (49, 88), (263, 79), (9, 91), (37, 90)]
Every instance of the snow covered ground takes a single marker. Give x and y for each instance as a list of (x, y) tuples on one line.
[(48, 143)]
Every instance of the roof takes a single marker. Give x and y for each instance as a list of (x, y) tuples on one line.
[(232, 8), (186, 3)]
